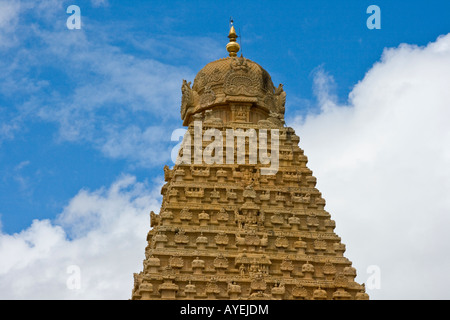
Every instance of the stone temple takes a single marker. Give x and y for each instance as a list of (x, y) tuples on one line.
[(241, 219)]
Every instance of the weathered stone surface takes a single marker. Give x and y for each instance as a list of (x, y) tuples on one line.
[(225, 231)]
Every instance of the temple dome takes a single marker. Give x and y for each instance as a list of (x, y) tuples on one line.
[(232, 80), (234, 76), (233, 89)]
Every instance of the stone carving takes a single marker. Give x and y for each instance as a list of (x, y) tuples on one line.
[(362, 295), (308, 270), (154, 219), (181, 237), (239, 81), (312, 221), (265, 195), (167, 173), (280, 100), (214, 194), (329, 270), (258, 283), (152, 264), (208, 96), (221, 238), (277, 219), (212, 289), (340, 281), (249, 192), (211, 120), (185, 214), (225, 231), (278, 290), (294, 221), (299, 292), (194, 192), (240, 241), (222, 216), (287, 267), (199, 171), (221, 262), (176, 262), (160, 239), (221, 173), (350, 273), (198, 265), (187, 98), (282, 242), (203, 218), (201, 241), (320, 294), (190, 290), (166, 215), (234, 290), (320, 245), (242, 270)]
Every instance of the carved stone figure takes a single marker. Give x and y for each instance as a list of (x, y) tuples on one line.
[(187, 98)]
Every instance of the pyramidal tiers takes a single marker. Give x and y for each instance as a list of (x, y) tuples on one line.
[(241, 217)]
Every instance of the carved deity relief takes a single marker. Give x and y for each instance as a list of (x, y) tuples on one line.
[(239, 81), (280, 95), (208, 96), (187, 97)]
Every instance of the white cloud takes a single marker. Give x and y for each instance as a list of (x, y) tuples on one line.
[(122, 96), (101, 232), (383, 164), (146, 148), (9, 13), (94, 90), (99, 3)]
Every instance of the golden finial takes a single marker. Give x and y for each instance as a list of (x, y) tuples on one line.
[(232, 46)]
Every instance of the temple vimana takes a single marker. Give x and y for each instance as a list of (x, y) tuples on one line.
[(227, 229)]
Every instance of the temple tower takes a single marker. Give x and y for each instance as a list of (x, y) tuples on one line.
[(241, 217)]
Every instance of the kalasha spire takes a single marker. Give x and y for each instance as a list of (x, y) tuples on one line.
[(232, 46)]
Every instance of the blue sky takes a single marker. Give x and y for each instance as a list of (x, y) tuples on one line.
[(42, 167), (80, 109)]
